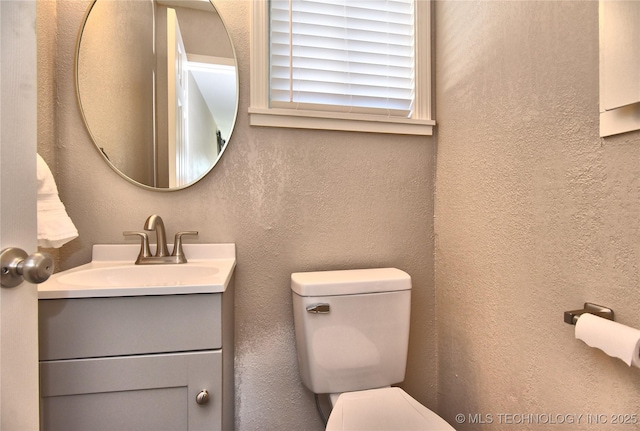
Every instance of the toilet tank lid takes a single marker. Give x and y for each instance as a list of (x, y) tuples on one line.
[(350, 282)]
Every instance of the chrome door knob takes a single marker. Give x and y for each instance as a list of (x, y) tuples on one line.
[(16, 265), (203, 397)]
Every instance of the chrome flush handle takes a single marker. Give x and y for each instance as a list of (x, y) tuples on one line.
[(319, 308)]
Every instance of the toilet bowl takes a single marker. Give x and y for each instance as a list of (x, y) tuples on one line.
[(385, 409), (352, 337)]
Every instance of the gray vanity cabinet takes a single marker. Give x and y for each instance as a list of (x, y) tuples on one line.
[(137, 363)]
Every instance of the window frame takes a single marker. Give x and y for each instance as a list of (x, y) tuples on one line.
[(261, 114)]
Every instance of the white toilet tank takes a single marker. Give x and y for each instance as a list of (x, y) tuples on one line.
[(352, 328)]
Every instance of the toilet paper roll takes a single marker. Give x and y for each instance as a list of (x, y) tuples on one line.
[(615, 339)]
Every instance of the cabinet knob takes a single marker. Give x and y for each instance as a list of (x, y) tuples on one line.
[(203, 397)]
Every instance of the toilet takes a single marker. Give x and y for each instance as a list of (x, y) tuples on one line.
[(352, 336)]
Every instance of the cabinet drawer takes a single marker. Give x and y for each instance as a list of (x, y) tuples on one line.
[(148, 392), (128, 325)]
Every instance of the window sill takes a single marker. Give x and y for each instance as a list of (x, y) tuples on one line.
[(319, 120), (620, 120)]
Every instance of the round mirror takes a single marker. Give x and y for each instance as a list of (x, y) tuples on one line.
[(157, 85)]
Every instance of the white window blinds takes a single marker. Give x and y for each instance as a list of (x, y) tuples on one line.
[(343, 55)]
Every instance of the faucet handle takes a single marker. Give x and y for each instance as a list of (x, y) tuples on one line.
[(177, 245), (144, 243)]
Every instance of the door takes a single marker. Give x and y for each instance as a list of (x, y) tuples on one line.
[(18, 305), (177, 101)]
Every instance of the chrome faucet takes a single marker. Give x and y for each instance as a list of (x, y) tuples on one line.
[(155, 223)]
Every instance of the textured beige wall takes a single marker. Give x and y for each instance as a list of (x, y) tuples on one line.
[(534, 215), (291, 200)]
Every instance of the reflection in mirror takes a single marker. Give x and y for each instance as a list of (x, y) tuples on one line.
[(157, 85)]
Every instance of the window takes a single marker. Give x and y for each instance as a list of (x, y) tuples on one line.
[(342, 65)]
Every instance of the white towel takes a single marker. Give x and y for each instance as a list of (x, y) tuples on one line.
[(55, 228)]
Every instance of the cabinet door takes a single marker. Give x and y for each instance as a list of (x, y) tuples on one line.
[(150, 392)]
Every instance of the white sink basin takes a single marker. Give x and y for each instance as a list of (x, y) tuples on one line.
[(112, 272), (140, 275)]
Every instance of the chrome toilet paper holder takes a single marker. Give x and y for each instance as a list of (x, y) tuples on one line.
[(571, 317)]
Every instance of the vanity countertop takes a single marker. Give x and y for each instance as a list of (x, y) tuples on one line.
[(112, 272)]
